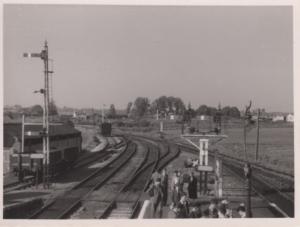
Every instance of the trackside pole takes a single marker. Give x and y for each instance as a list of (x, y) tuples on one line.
[(203, 168), (45, 91)]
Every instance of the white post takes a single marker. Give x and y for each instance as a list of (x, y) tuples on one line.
[(203, 155), (219, 180), (200, 153), (206, 152), (23, 126), (161, 126), (103, 113)]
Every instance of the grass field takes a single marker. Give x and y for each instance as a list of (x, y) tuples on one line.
[(276, 147)]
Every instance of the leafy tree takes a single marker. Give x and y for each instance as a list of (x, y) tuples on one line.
[(36, 110), (169, 104), (141, 105), (231, 112), (52, 109), (206, 110), (189, 114), (202, 110), (234, 112), (112, 111), (129, 105)]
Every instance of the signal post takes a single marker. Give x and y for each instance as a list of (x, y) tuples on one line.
[(203, 167), (45, 91)]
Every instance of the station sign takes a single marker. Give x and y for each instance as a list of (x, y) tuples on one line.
[(37, 156), (32, 133), (205, 168)]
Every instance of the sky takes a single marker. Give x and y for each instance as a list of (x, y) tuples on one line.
[(113, 54)]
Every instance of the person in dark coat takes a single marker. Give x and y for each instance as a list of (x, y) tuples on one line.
[(156, 193), (164, 184), (195, 212), (182, 209), (176, 195), (192, 186)]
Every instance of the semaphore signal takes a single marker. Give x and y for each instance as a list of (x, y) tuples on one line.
[(45, 91)]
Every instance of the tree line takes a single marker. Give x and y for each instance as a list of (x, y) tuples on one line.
[(165, 105)]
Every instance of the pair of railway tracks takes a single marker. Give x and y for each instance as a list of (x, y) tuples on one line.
[(125, 203), (63, 206), (115, 190), (104, 154), (128, 201), (281, 201)]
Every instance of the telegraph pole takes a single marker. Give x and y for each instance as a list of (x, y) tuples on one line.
[(21, 176), (45, 91), (103, 113), (247, 167), (257, 136)]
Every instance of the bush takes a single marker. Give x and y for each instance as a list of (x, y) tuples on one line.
[(143, 123), (120, 124), (192, 129)]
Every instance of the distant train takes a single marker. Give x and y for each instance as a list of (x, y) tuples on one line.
[(65, 146), (106, 129)]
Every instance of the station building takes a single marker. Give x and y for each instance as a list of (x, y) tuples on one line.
[(65, 144)]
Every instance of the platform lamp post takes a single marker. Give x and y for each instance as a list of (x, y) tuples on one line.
[(45, 91), (247, 166), (103, 106)]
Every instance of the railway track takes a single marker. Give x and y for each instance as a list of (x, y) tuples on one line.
[(127, 203), (96, 156), (115, 190), (64, 205), (280, 202), (124, 205), (95, 204)]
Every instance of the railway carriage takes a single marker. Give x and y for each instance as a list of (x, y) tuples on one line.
[(65, 146)]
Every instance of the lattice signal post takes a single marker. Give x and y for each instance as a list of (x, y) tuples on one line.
[(45, 91), (203, 166)]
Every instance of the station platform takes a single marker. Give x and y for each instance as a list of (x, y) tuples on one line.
[(10, 179), (233, 191)]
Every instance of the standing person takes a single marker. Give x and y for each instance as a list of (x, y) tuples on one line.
[(175, 180), (154, 176), (195, 212), (192, 186), (164, 184), (212, 209), (183, 210), (156, 198), (242, 210), (180, 179), (176, 195)]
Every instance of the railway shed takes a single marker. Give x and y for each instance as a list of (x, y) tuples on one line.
[(65, 144)]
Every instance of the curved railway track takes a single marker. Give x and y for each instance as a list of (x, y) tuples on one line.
[(96, 156), (62, 206), (123, 205), (124, 179), (95, 204), (127, 202)]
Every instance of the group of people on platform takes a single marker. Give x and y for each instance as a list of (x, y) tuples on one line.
[(180, 198)]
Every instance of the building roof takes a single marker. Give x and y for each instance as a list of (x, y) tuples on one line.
[(12, 130)]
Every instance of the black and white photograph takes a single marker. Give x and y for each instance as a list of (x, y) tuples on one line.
[(123, 111)]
